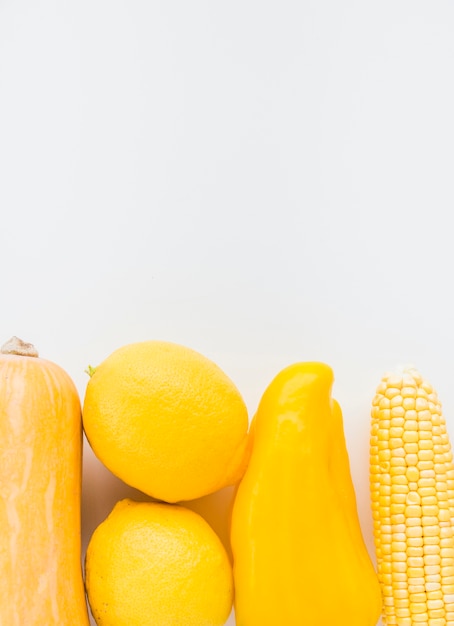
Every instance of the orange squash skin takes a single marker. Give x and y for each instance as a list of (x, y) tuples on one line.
[(41, 581)]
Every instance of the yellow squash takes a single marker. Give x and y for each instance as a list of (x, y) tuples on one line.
[(299, 554), (40, 481)]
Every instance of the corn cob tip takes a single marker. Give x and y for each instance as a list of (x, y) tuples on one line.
[(412, 495)]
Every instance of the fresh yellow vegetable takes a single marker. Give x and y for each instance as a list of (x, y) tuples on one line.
[(40, 480), (412, 493), (299, 554)]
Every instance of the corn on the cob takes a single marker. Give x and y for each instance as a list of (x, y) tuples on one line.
[(412, 496)]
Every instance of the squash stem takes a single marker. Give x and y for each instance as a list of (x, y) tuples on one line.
[(19, 347)]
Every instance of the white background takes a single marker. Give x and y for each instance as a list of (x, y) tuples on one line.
[(265, 182)]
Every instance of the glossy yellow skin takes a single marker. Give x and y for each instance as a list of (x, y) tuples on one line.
[(299, 554)]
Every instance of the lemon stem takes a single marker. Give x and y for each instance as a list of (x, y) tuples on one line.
[(90, 370)]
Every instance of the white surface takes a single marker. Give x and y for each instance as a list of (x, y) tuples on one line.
[(264, 182)]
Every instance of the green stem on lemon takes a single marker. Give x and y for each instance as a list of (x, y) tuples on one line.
[(90, 370)]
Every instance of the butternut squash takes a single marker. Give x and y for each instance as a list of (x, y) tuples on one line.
[(299, 555), (41, 581)]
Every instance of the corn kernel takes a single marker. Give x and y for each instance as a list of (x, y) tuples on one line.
[(426, 438), (432, 559), (396, 400), (418, 607), (399, 566), (431, 532), (414, 531), (447, 552), (411, 551), (447, 571), (421, 403), (429, 520), (435, 604), (415, 572), (428, 509), (413, 497), (420, 618), (432, 549), (395, 431), (399, 489), (429, 500), (426, 490), (416, 585), (434, 595), (413, 521), (425, 454), (403, 611), (413, 511), (417, 561), (441, 620), (412, 473), (410, 436), (397, 410), (433, 585), (399, 580), (401, 603)]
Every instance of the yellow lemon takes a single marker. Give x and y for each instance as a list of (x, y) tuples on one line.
[(157, 564), (166, 420)]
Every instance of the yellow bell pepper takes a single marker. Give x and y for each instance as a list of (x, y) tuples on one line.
[(299, 554)]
